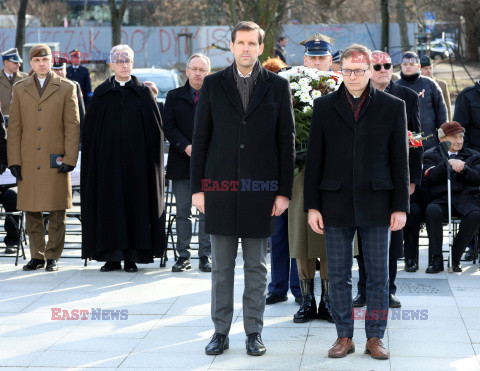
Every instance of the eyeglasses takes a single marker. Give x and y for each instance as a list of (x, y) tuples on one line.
[(195, 69), (123, 61), (378, 67), (347, 72)]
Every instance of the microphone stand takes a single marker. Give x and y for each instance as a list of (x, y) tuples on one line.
[(444, 147)]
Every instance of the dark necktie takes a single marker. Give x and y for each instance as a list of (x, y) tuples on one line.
[(195, 100), (452, 155)]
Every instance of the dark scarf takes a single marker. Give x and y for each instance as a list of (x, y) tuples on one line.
[(356, 109), (245, 85), (410, 77)]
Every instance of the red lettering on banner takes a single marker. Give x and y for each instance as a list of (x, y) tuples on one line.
[(161, 33), (45, 38), (3, 38), (92, 41), (133, 43), (28, 36), (81, 41), (71, 32)]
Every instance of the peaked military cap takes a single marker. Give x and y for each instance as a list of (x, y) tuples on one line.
[(318, 44), (12, 55)]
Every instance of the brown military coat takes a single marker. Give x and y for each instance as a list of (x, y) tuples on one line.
[(6, 89), (446, 97), (38, 128)]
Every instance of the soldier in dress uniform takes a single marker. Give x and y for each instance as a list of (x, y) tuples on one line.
[(9, 75), (42, 148), (306, 245), (77, 72)]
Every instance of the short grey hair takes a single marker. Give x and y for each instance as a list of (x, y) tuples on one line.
[(119, 48), (199, 55)]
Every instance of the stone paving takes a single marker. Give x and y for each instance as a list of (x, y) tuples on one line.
[(168, 323)]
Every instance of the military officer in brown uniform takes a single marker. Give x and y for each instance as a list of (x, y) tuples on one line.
[(9, 75), (306, 245), (42, 148)]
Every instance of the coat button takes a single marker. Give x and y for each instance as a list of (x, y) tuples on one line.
[(242, 146), (39, 108), (244, 123), (38, 167), (39, 128), (38, 148)]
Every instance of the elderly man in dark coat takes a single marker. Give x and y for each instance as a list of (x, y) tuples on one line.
[(465, 176), (122, 171), (241, 177)]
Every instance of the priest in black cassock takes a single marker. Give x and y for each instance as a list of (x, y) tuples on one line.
[(122, 179)]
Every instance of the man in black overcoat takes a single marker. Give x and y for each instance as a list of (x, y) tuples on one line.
[(465, 183), (357, 180), (122, 181), (241, 177), (382, 80), (178, 126)]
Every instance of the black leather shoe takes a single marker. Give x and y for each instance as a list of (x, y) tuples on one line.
[(255, 345), (205, 265), (436, 264), (324, 311), (359, 301), (393, 302), (51, 265), (469, 256), (217, 345), (457, 267), (111, 266), (273, 298), (34, 264), (181, 265), (411, 265), (130, 267)]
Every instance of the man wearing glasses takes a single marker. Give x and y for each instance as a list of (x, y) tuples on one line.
[(122, 171), (357, 180), (179, 113), (382, 80)]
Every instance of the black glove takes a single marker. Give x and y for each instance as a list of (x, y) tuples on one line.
[(16, 171), (64, 168)]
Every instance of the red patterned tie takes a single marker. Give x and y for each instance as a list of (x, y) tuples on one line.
[(195, 100)]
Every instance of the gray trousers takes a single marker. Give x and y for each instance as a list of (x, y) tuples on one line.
[(224, 252), (183, 197)]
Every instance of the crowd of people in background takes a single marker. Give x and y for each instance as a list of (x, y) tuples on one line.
[(235, 125)]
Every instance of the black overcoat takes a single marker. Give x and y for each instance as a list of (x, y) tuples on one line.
[(122, 181), (245, 147), (178, 119), (357, 172), (415, 155), (82, 76), (464, 185)]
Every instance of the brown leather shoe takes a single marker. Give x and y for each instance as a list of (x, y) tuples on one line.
[(376, 349), (341, 348)]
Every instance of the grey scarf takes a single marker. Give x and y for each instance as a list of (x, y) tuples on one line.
[(245, 85)]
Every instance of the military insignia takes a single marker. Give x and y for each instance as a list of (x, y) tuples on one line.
[(317, 36), (43, 53)]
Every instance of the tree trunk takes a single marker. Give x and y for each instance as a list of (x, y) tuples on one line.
[(402, 24), (385, 25), (116, 15), (20, 35), (472, 35)]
